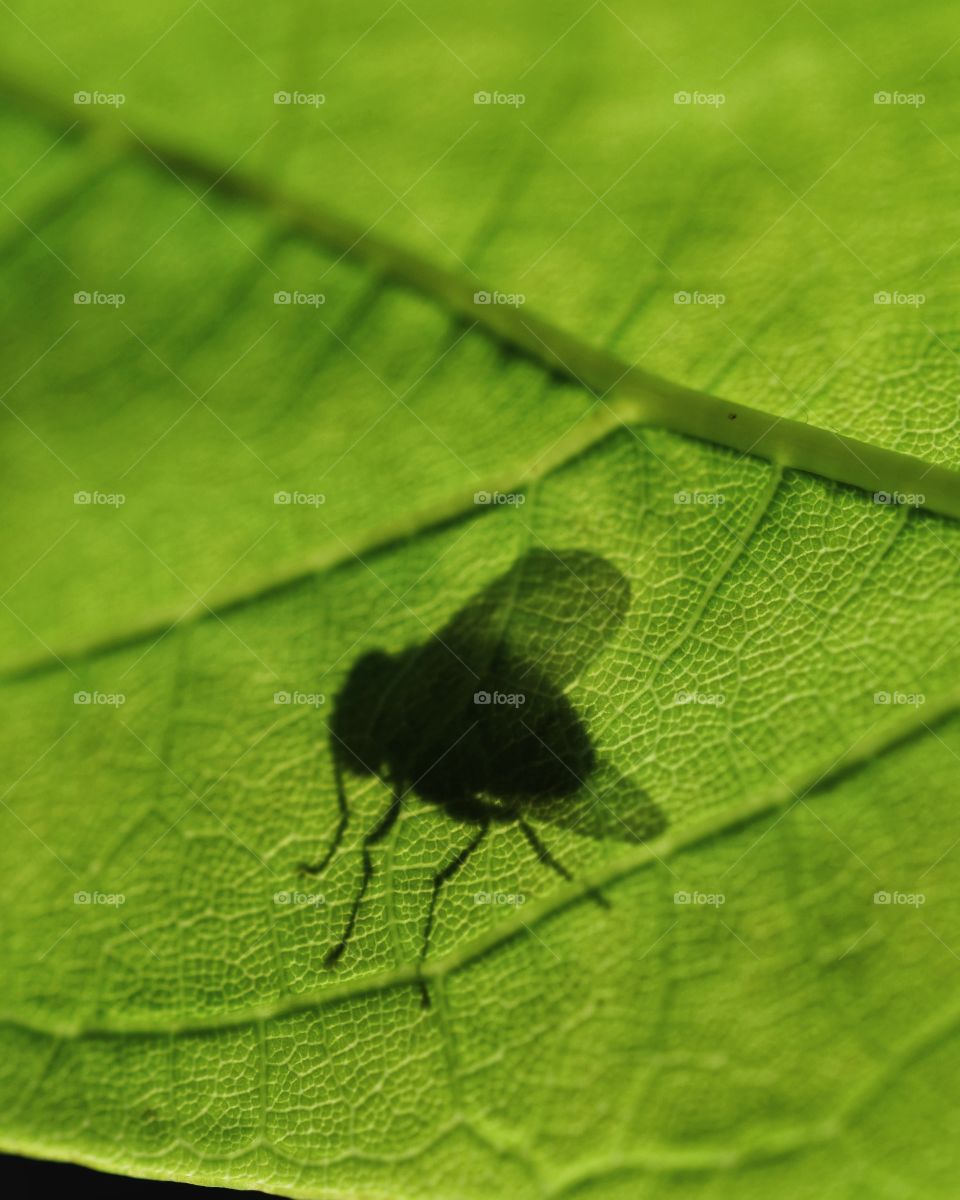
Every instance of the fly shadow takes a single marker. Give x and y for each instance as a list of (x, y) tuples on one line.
[(477, 721)]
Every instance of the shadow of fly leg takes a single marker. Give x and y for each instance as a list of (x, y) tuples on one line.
[(379, 831), (320, 865), (443, 876), (544, 856)]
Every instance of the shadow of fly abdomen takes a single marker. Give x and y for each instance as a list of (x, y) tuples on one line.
[(476, 721)]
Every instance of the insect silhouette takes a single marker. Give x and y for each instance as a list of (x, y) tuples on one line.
[(476, 721)]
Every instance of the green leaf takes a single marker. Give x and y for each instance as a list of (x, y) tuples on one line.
[(722, 964)]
